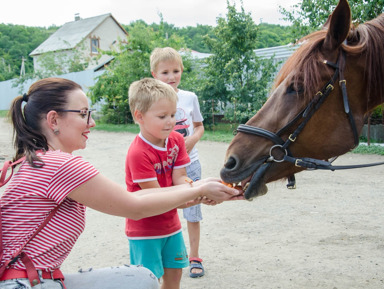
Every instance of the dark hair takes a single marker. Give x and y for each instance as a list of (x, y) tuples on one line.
[(43, 96)]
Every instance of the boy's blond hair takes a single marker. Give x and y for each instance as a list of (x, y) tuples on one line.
[(143, 93), (164, 54)]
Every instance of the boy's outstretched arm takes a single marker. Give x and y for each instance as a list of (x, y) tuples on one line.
[(179, 177)]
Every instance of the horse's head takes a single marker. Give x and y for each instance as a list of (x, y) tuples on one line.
[(308, 115)]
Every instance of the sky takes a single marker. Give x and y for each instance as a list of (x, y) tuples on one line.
[(180, 13)]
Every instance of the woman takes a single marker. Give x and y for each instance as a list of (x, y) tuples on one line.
[(56, 121)]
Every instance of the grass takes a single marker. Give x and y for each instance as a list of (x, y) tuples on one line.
[(132, 128), (3, 113), (369, 150)]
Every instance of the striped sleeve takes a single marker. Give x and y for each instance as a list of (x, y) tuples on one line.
[(72, 173)]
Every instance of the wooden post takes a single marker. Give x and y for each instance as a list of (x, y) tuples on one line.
[(213, 114), (369, 130)]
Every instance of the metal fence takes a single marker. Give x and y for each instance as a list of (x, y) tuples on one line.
[(8, 90)]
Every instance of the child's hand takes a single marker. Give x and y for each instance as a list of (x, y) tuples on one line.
[(191, 203), (200, 200), (209, 202), (189, 143)]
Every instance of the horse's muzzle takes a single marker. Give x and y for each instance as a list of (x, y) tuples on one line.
[(233, 172)]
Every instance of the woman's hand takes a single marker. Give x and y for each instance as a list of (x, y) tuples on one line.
[(214, 190)]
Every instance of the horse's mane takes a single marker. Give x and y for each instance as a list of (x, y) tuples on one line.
[(367, 39)]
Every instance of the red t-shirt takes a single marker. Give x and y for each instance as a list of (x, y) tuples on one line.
[(147, 162)]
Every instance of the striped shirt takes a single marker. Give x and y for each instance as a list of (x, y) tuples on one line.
[(27, 201)]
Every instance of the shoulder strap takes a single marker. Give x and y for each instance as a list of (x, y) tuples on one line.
[(31, 270), (26, 260), (6, 166)]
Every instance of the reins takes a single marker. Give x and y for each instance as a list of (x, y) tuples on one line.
[(305, 115)]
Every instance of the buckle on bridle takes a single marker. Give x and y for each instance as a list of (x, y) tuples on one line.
[(291, 138), (297, 162), (330, 86)]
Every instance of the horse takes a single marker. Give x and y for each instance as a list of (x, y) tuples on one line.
[(317, 107)]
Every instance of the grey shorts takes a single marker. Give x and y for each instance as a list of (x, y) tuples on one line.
[(193, 214)]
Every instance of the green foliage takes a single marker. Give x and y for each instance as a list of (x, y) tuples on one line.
[(308, 16), (194, 36), (235, 79), (271, 35), (16, 42), (131, 64)]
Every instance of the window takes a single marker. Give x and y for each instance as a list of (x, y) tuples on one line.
[(95, 45)]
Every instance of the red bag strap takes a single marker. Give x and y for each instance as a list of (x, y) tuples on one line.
[(30, 268), (6, 166)]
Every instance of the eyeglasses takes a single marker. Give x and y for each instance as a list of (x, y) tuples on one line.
[(83, 112)]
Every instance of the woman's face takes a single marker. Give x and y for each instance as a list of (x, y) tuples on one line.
[(73, 126)]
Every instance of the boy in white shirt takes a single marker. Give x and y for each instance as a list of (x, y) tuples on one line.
[(167, 66)]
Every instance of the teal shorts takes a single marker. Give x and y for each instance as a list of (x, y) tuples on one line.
[(157, 254)]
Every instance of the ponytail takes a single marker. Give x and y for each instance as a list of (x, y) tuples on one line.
[(26, 140)]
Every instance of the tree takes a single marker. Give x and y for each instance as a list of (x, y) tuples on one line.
[(234, 80), (271, 35), (16, 42), (129, 65), (308, 16)]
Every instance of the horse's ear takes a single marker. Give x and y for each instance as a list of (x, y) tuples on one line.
[(338, 24)]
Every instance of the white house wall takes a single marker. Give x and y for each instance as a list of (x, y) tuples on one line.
[(59, 57), (109, 33)]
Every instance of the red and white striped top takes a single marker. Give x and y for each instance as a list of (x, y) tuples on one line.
[(28, 199)]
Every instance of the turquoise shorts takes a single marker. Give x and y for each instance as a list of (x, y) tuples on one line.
[(157, 254)]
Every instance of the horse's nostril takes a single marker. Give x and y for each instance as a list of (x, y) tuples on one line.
[(231, 163)]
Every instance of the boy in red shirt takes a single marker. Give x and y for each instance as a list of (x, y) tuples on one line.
[(156, 158)]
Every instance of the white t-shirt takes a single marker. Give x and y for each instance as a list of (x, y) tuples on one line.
[(188, 112)]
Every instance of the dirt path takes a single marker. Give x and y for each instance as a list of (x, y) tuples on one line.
[(328, 233)]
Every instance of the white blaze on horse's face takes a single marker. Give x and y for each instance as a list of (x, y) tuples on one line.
[(307, 85)]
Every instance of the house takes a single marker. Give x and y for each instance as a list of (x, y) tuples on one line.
[(81, 40), (279, 53)]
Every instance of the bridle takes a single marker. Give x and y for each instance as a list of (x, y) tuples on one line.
[(304, 116)]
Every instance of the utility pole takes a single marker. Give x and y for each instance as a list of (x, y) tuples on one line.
[(22, 69)]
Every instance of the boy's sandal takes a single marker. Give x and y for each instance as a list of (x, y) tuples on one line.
[(196, 265)]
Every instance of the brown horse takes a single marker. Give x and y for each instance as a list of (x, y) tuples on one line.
[(317, 108)]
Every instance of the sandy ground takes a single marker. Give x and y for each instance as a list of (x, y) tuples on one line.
[(328, 233)]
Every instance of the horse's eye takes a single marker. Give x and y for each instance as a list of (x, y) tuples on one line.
[(291, 89), (294, 89)]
